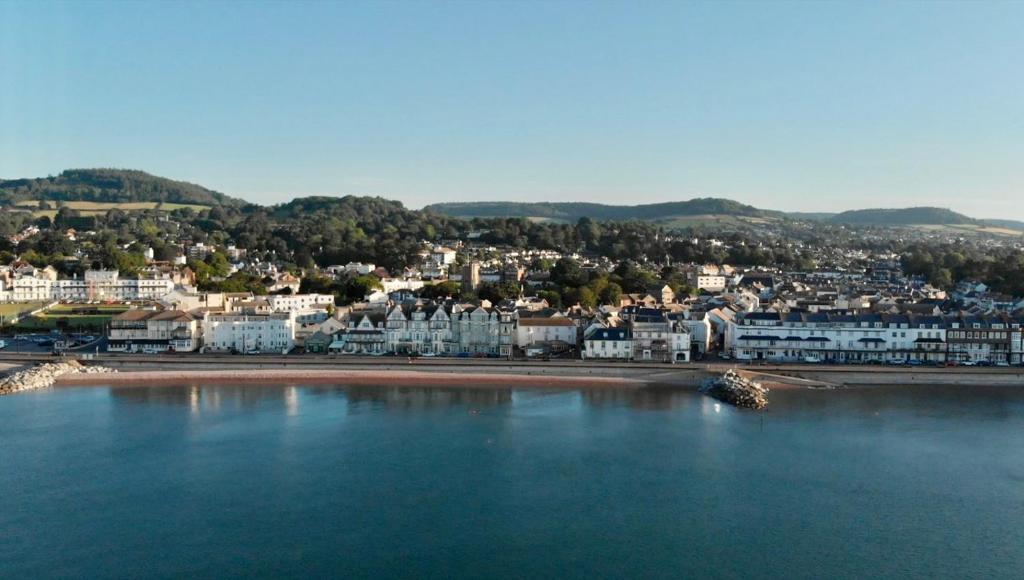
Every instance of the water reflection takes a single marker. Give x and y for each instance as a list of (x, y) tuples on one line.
[(655, 398), (199, 397), (993, 403)]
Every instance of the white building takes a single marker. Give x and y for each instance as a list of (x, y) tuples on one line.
[(245, 332), (389, 285), (108, 285), (443, 255), (545, 331), (299, 302), (27, 289), (837, 337), (94, 285), (711, 283), (608, 344), (357, 268)]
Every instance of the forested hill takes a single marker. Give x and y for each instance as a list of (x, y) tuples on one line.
[(709, 206), (110, 185), (905, 216), (572, 212)]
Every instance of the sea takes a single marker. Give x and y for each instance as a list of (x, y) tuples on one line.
[(312, 481)]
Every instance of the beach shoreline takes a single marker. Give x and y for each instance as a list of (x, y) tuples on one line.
[(415, 378), (532, 376)]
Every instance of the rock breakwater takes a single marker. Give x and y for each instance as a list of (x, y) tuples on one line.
[(44, 375), (736, 390)]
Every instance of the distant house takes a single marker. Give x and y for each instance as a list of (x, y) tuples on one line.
[(663, 294)]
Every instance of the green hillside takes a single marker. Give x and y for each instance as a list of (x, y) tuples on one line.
[(572, 212), (110, 186), (904, 216)]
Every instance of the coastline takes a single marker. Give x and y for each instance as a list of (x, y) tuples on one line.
[(142, 374), (418, 378)]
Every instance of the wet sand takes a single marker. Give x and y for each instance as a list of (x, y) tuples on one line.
[(144, 379)]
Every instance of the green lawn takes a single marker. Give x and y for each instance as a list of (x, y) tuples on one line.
[(71, 322), (86, 309), (72, 317), (11, 309)]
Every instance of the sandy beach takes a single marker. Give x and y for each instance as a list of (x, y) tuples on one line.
[(143, 371), (148, 378)]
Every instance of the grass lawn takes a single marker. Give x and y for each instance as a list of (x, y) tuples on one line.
[(12, 309), (72, 317), (86, 309), (71, 322)]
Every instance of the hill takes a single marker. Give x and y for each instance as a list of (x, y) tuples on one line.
[(1008, 224), (902, 217), (110, 186), (572, 212)]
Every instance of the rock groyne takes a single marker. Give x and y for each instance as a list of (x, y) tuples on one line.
[(44, 375), (736, 390)]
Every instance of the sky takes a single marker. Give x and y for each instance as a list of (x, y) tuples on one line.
[(807, 106)]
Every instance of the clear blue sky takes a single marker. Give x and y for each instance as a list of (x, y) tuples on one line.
[(803, 106)]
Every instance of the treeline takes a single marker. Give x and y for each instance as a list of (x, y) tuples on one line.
[(322, 231), (1001, 269), (110, 185)]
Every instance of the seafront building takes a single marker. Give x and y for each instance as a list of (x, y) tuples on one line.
[(153, 331), (248, 331), (644, 334), (840, 338)]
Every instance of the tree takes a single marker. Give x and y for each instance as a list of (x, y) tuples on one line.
[(587, 298), (554, 299), (444, 289), (612, 294), (567, 272), (218, 263)]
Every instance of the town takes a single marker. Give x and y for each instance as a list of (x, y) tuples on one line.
[(468, 297)]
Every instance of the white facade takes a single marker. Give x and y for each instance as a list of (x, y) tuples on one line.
[(389, 285), (442, 255), (711, 283), (700, 333), (249, 332), (94, 285), (838, 338), (27, 289), (298, 302), (534, 331), (607, 344)]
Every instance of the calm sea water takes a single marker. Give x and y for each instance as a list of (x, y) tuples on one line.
[(228, 481)]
